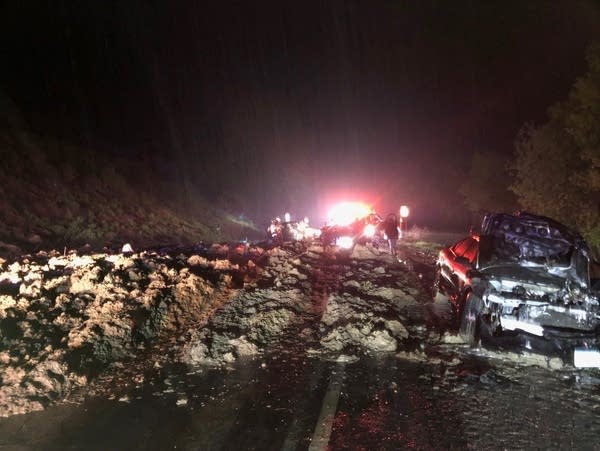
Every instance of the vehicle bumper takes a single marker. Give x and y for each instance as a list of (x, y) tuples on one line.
[(580, 349)]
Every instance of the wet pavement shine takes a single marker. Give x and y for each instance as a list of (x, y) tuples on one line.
[(297, 402)]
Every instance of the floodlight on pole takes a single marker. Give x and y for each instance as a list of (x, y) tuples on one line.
[(404, 212)]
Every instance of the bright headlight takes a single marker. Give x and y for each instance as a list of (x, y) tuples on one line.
[(369, 231), (345, 242), (346, 213)]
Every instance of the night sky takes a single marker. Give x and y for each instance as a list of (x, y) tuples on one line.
[(291, 105)]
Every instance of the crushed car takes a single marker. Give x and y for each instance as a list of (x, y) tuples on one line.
[(279, 232), (527, 277)]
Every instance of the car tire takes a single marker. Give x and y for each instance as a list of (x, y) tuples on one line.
[(439, 297), (489, 329), (436, 295), (470, 319)]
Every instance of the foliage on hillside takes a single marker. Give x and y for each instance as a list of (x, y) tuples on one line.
[(54, 195), (557, 165)]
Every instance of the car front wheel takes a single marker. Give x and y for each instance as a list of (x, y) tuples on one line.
[(437, 295), (470, 327)]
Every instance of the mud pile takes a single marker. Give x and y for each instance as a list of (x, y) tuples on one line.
[(65, 320), (324, 303)]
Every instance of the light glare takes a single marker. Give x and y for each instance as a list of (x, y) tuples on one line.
[(345, 242), (346, 213)]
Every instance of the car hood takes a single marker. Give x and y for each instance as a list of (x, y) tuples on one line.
[(533, 247)]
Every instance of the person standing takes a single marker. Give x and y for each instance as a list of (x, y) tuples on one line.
[(392, 231)]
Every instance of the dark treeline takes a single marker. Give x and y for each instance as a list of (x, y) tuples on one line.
[(555, 168)]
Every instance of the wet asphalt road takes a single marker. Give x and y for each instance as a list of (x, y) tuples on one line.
[(464, 400), (454, 398)]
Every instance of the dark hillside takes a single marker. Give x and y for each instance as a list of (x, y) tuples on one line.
[(54, 194)]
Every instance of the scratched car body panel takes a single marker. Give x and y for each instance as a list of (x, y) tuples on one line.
[(524, 275)]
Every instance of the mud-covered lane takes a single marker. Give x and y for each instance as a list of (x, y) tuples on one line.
[(73, 326)]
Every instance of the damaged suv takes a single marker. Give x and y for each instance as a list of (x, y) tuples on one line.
[(526, 277)]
